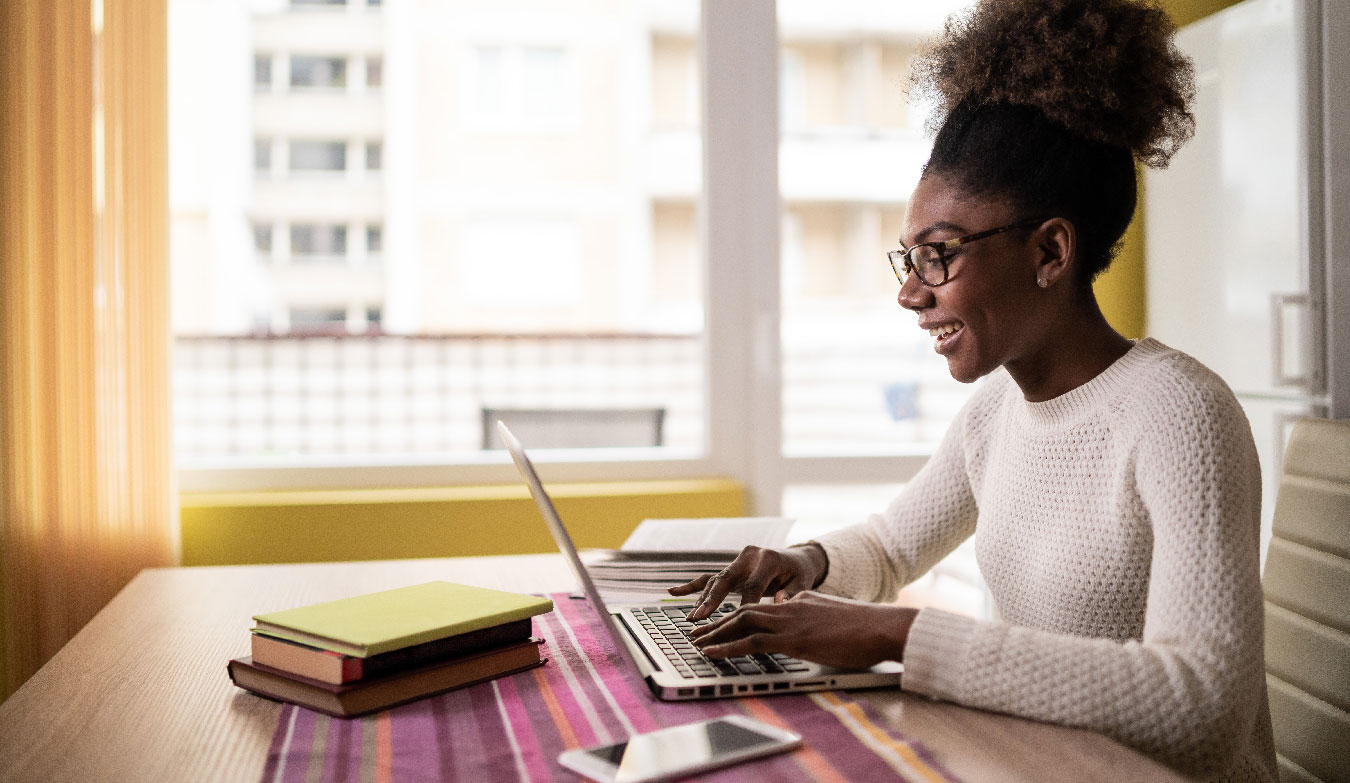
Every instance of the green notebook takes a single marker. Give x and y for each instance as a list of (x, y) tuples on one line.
[(366, 625)]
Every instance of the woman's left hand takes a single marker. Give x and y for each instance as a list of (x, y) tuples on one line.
[(814, 627)]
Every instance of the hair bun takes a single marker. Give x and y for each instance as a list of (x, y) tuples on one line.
[(1107, 70)]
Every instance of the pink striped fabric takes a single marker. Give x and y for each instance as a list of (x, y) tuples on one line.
[(513, 728)]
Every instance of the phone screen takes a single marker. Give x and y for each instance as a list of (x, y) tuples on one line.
[(658, 753)]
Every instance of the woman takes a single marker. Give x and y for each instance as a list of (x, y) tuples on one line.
[(1112, 486)]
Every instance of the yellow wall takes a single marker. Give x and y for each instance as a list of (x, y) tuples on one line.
[(1120, 290), (382, 524), (1186, 11)]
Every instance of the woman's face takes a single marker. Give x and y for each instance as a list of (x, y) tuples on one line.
[(982, 317)]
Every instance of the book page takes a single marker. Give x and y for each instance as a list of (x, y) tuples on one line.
[(717, 534)]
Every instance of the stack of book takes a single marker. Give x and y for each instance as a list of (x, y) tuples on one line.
[(369, 652)]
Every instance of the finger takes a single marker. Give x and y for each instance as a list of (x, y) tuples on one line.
[(794, 587), (690, 587), (753, 590), (703, 630), (746, 645), (714, 590), (764, 581), (740, 623), (700, 630), (710, 589)]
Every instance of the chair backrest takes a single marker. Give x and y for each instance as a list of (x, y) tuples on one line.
[(563, 428), (1307, 588)]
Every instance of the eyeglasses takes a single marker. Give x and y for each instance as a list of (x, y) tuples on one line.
[(929, 259)]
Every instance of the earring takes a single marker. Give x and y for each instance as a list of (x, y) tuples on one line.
[(1042, 282)]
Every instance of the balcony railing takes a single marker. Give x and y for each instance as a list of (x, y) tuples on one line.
[(389, 395)]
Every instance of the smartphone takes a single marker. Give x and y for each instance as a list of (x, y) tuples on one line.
[(678, 751)]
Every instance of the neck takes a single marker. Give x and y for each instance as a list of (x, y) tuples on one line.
[(1073, 351)]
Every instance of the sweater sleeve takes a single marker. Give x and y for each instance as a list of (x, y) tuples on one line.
[(934, 513), (1189, 691)]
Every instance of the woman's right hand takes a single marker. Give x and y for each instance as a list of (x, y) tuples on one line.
[(757, 572)]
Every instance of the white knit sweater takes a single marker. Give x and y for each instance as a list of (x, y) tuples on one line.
[(1117, 527)]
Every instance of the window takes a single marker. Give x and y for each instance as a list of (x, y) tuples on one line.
[(522, 89), (262, 238), (858, 376), (524, 264), (317, 319), (262, 71), (374, 155), (324, 241), (329, 72), (262, 155), (374, 71), (311, 156)]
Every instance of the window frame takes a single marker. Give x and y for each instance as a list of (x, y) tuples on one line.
[(741, 218)]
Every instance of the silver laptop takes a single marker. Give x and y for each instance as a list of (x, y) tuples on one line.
[(653, 636)]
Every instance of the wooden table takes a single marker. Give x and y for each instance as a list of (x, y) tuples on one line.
[(141, 693)]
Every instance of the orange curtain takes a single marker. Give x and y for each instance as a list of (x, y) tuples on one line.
[(87, 494)]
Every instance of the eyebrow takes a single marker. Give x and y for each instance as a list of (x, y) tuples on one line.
[(941, 225)]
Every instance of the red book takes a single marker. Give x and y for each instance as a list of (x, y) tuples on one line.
[(370, 695)]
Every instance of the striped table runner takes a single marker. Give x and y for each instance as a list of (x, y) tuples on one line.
[(513, 728)]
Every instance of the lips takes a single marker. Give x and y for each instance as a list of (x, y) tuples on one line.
[(943, 334)]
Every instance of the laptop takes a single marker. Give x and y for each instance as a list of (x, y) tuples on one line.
[(653, 637)]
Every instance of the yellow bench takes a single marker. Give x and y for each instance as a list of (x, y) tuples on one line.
[(382, 524)]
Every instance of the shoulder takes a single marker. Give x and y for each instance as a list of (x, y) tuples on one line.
[(1164, 384), (1174, 400)]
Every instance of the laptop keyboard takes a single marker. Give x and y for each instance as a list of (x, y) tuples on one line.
[(669, 628)]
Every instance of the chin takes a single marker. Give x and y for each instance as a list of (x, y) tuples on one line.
[(964, 372)]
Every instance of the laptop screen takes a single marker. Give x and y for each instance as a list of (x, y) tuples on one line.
[(561, 538)]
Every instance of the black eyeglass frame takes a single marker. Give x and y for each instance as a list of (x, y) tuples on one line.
[(902, 256)]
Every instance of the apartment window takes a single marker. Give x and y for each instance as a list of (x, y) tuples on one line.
[(318, 319), (307, 3), (522, 88), (262, 238), (262, 71), (318, 156), (320, 72), (262, 155), (524, 271), (310, 241)]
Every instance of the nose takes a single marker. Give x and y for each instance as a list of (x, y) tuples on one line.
[(914, 295)]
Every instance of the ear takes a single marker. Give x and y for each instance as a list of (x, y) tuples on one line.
[(1057, 241)]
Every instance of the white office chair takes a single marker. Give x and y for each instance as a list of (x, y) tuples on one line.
[(1307, 588)]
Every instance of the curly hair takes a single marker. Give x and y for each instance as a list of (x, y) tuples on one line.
[(1106, 70), (1048, 103)]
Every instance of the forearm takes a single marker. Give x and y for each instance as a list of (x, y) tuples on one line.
[(1187, 705)]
